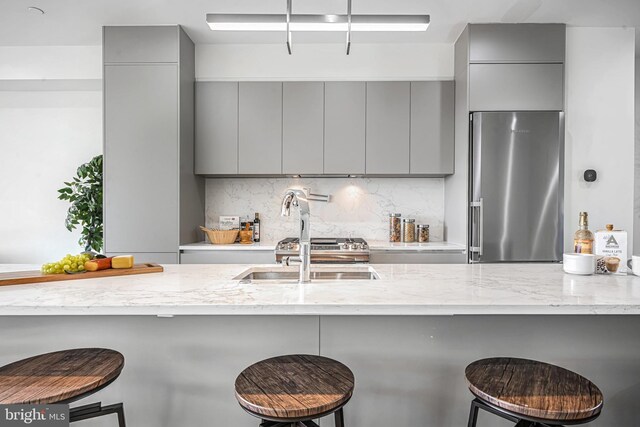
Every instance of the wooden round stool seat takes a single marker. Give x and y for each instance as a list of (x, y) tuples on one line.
[(59, 377), (534, 390), (295, 387)]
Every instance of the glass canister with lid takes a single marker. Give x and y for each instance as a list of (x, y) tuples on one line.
[(395, 227), (422, 230), (408, 230)]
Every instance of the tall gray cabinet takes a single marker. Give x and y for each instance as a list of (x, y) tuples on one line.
[(153, 202)]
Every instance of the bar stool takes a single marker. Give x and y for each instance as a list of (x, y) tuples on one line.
[(531, 393), (291, 391), (63, 377)]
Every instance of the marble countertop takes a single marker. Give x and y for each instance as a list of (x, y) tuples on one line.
[(436, 289), (418, 247), (206, 246), (373, 245)]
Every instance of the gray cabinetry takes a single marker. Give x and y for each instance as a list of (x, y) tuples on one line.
[(260, 128), (517, 43), (152, 200), (141, 142), (432, 113), (344, 127), (216, 151), (141, 44), (331, 128), (302, 127), (387, 140), (509, 87)]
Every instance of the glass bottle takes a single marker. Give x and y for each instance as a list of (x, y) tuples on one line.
[(395, 227), (408, 230), (583, 238), (256, 228)]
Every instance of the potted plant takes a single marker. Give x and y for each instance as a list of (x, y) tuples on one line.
[(85, 194)]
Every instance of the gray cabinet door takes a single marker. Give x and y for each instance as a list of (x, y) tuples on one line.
[(516, 87), (137, 44), (516, 42), (216, 149), (302, 127), (432, 128), (344, 127), (141, 163), (260, 128), (387, 143)]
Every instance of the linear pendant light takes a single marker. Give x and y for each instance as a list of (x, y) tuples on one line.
[(278, 22)]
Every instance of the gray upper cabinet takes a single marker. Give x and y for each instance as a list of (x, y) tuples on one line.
[(514, 43), (512, 87), (432, 128), (141, 44), (344, 127), (387, 138), (141, 165), (260, 128), (302, 127), (216, 151)]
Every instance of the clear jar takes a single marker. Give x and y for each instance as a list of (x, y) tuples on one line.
[(422, 230), (395, 232), (408, 230)]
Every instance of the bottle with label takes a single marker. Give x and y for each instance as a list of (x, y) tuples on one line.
[(256, 228), (583, 238)]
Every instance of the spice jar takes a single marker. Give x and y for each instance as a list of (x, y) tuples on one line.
[(408, 230), (423, 233), (395, 227)]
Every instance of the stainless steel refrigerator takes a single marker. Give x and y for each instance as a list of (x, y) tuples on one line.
[(516, 188)]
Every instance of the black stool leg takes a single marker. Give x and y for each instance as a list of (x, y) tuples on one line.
[(94, 410), (339, 416), (120, 412), (473, 414)]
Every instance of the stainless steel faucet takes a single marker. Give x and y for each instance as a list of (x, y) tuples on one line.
[(298, 198)]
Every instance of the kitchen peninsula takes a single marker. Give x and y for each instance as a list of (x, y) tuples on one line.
[(407, 335)]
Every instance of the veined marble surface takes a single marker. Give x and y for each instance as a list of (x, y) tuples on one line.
[(206, 246), (375, 245), (359, 207), (436, 289)]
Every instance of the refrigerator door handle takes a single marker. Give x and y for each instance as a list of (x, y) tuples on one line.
[(479, 205)]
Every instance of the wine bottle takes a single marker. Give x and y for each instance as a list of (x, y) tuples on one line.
[(256, 228)]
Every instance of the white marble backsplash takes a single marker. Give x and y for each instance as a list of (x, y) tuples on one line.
[(359, 207)]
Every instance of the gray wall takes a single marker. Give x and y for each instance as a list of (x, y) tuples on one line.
[(180, 371)]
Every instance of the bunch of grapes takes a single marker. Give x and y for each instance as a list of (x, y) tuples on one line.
[(70, 263)]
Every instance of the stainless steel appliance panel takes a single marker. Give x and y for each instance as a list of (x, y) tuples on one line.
[(516, 186)]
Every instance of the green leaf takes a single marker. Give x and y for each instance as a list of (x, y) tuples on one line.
[(85, 194)]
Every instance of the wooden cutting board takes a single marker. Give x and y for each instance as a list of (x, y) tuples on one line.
[(35, 276)]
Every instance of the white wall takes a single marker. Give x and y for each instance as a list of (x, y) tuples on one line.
[(45, 135), (325, 62), (599, 127)]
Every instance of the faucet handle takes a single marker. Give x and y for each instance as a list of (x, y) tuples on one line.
[(291, 260)]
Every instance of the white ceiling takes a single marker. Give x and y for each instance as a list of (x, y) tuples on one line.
[(79, 22)]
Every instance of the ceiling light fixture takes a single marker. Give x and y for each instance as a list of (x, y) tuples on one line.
[(278, 22), (290, 23)]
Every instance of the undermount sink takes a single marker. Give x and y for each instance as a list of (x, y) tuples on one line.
[(280, 274)]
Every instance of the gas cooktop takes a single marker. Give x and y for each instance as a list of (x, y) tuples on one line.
[(327, 250)]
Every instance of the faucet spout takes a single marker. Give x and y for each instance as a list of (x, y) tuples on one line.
[(298, 198)]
